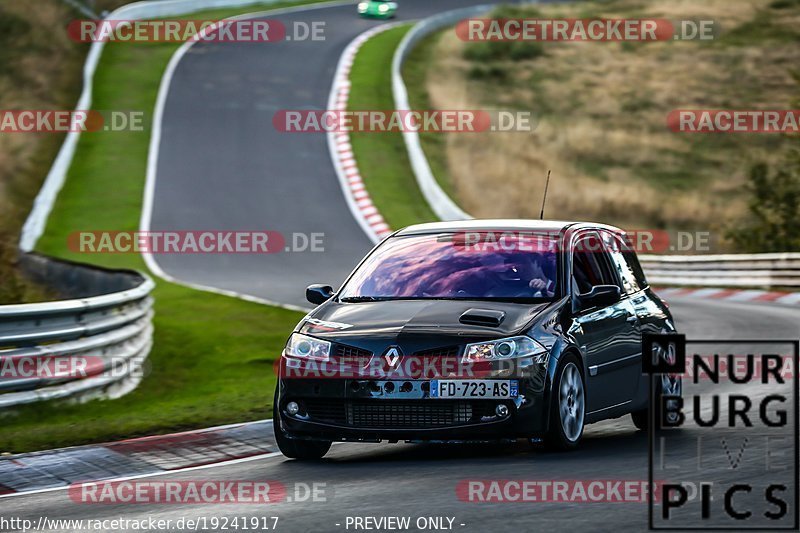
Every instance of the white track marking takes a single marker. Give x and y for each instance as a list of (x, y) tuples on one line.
[(341, 150)]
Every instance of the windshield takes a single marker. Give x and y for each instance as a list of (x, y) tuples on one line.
[(458, 266)]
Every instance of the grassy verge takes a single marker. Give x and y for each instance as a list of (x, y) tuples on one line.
[(415, 74), (382, 157), (212, 357)]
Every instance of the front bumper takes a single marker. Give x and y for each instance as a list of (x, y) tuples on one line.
[(364, 410), (377, 14)]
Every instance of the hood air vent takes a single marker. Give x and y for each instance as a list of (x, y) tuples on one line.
[(482, 317)]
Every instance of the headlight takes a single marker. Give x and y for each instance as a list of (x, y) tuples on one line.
[(307, 347), (383, 8), (362, 7), (510, 348)]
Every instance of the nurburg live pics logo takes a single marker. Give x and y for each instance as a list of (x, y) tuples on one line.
[(724, 444)]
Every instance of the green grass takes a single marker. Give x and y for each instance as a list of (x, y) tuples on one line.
[(382, 157), (212, 357), (415, 74)]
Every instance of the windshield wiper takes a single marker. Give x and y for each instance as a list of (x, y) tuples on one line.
[(361, 299)]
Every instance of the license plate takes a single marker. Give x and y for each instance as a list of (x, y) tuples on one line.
[(474, 388)]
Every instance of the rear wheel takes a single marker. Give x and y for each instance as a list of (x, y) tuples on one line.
[(666, 385), (296, 448), (669, 385), (567, 406)]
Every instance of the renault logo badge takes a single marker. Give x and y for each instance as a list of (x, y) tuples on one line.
[(392, 356)]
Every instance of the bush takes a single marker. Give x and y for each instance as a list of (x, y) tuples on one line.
[(487, 51), (490, 51), (492, 72), (12, 29), (774, 209), (783, 4)]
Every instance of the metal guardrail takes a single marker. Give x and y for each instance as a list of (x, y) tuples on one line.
[(441, 204), (726, 270), (113, 320), (113, 329)]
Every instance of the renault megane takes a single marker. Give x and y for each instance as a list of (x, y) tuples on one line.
[(473, 330)]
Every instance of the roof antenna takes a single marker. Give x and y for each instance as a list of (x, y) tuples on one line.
[(544, 198)]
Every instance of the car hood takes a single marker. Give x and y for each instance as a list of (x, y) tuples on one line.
[(414, 325)]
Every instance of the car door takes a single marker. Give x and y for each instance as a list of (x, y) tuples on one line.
[(625, 265), (609, 336)]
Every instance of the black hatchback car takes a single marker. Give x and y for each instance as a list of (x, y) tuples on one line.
[(470, 331)]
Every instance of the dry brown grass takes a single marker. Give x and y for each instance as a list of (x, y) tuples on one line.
[(40, 68), (602, 109)]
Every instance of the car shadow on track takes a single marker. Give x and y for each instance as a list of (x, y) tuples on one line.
[(610, 439)]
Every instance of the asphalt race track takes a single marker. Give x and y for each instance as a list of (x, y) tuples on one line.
[(223, 166)]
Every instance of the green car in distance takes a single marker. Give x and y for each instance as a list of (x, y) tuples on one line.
[(377, 9)]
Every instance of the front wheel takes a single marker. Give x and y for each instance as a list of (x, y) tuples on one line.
[(567, 407), (296, 448)]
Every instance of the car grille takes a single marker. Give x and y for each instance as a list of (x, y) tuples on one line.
[(392, 414), (352, 355), (326, 411), (449, 351), (410, 414)]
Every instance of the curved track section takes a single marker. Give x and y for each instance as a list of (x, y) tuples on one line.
[(222, 165)]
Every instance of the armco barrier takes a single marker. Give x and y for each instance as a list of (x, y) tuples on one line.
[(111, 322), (109, 315), (729, 270), (441, 204)]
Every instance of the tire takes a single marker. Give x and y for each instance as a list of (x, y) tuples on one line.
[(641, 419), (296, 448), (567, 406), (674, 386)]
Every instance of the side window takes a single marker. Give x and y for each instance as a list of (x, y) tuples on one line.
[(636, 268), (590, 264), (619, 253)]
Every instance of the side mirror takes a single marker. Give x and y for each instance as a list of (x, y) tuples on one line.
[(600, 296), (318, 294)]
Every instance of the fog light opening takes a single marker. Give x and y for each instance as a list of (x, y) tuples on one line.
[(501, 410), (292, 408)]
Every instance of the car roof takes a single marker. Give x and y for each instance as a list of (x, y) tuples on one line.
[(501, 225)]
